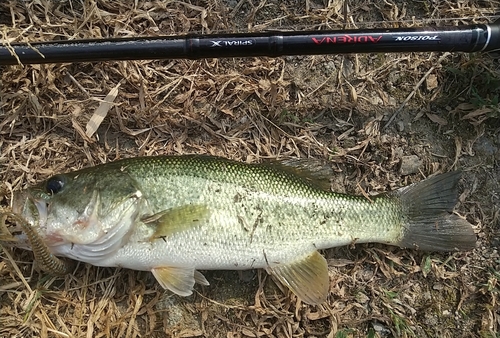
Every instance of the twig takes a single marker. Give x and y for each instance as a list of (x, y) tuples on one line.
[(408, 98)]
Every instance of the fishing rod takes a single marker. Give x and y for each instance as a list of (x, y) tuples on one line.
[(464, 38)]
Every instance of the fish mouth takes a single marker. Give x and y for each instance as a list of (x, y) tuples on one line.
[(33, 210), (30, 214)]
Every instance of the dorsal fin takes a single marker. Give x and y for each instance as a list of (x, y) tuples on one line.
[(314, 171)]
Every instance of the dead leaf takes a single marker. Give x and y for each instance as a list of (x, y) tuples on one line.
[(35, 103), (438, 119), (317, 315), (203, 13), (465, 106), (101, 111), (458, 151), (80, 131), (476, 113), (142, 95), (353, 94)]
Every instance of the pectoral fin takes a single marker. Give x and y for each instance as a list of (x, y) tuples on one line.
[(179, 280), (177, 219), (307, 277)]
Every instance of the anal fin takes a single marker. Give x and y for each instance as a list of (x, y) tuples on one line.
[(179, 280), (307, 277), (200, 279)]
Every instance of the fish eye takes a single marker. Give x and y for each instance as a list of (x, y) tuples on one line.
[(54, 185)]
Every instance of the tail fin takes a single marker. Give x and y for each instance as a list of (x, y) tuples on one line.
[(429, 224)]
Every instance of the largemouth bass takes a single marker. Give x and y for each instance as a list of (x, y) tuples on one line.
[(176, 215)]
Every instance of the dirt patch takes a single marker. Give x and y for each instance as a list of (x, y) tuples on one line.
[(328, 107)]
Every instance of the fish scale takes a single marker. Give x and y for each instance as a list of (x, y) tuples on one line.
[(308, 216), (175, 215)]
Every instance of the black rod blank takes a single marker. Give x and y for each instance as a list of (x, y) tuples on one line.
[(470, 38)]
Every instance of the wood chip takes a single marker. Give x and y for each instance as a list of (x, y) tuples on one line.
[(431, 82)]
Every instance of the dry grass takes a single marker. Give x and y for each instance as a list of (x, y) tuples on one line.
[(329, 107)]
